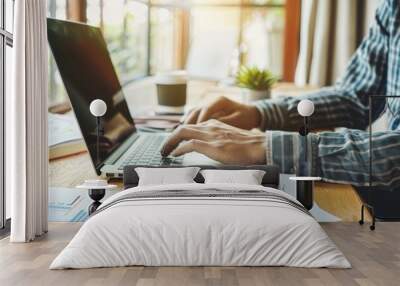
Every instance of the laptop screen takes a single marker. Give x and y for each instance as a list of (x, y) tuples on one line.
[(87, 71)]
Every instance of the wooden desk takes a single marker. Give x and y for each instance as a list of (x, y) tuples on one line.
[(340, 200)]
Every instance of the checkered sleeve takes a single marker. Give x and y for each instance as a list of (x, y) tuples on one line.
[(343, 105), (340, 157), (346, 103)]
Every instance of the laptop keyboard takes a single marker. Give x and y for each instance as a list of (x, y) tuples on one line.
[(148, 153)]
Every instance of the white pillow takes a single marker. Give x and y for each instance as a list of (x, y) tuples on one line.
[(248, 177), (166, 176)]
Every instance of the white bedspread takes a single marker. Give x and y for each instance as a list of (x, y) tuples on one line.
[(200, 231)]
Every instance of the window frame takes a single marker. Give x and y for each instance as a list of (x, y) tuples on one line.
[(292, 39), (290, 50), (6, 39), (77, 11)]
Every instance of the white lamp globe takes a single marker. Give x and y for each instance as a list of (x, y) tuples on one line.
[(98, 107), (305, 108)]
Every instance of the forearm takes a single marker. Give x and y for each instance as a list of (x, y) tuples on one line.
[(287, 151), (338, 157), (333, 108), (344, 157)]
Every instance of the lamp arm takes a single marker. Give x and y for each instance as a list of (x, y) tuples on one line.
[(306, 121), (98, 123)]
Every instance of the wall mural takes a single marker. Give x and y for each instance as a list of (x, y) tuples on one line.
[(222, 110)]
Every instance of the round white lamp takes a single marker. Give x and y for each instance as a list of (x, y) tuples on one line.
[(305, 108), (98, 108), (304, 183)]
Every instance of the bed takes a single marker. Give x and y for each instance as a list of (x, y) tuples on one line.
[(197, 224)]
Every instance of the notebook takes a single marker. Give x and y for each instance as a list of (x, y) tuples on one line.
[(65, 137)]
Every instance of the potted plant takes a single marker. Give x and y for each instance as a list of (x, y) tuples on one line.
[(256, 83)]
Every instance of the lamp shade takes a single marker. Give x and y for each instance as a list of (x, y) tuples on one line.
[(305, 108), (98, 107)]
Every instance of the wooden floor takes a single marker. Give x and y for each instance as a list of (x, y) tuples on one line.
[(375, 257)]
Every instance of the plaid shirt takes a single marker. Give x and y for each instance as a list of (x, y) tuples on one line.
[(343, 156)]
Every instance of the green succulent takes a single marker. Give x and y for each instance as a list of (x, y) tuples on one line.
[(254, 78)]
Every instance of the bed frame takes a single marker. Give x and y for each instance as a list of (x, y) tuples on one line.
[(271, 177)]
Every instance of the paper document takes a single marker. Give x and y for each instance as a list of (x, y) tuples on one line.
[(63, 128)]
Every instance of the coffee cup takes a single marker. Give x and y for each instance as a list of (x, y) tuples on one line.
[(171, 92)]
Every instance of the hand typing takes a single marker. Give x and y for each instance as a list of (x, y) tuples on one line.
[(227, 111), (218, 141)]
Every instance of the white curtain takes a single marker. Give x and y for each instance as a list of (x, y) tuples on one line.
[(26, 123), (327, 41)]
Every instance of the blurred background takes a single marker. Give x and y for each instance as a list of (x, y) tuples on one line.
[(209, 38)]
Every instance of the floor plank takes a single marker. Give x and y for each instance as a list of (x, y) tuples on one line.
[(375, 257)]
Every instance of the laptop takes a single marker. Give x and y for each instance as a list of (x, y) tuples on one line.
[(83, 60)]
